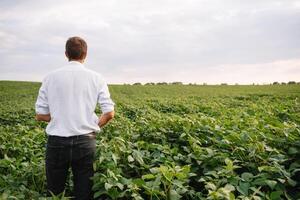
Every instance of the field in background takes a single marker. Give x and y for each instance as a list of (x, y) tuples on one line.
[(168, 142)]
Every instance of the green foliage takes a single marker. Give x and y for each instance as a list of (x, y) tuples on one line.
[(168, 142)]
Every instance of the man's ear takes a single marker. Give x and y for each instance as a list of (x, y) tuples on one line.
[(66, 54), (84, 57)]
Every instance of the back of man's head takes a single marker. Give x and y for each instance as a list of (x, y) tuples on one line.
[(76, 48)]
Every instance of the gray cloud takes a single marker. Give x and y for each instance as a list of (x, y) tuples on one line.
[(159, 40)]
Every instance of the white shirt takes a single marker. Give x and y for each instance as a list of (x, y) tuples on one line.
[(70, 95)]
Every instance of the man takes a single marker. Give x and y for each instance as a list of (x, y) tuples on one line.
[(67, 100)]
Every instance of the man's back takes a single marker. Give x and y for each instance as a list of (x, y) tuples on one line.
[(72, 94)]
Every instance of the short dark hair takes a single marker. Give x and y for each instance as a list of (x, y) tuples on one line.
[(76, 48)]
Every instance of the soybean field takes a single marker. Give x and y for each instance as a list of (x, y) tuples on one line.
[(167, 142)]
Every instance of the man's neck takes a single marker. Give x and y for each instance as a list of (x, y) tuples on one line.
[(81, 61)]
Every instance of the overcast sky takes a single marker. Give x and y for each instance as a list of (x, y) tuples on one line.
[(210, 41)]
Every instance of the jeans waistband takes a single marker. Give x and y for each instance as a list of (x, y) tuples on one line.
[(90, 135)]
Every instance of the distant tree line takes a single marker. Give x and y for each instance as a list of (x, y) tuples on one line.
[(288, 83), (223, 84), (159, 83)]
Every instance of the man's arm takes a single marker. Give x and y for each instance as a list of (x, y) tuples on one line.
[(45, 118), (106, 105), (41, 105), (105, 118)]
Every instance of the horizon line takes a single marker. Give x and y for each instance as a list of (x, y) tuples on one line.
[(182, 83)]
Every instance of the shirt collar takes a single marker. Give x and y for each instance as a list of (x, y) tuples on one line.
[(75, 63)]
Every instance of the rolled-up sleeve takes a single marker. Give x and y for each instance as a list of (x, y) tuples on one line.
[(41, 105), (104, 100)]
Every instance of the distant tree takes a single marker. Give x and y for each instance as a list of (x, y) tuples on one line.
[(204, 83), (291, 82), (283, 83), (298, 83), (151, 83), (224, 84), (176, 83), (162, 83), (275, 83), (137, 84), (236, 84)]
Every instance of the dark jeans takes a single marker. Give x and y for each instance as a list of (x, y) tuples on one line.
[(76, 152)]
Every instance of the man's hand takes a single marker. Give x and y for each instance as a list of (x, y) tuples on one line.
[(45, 118), (105, 118)]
